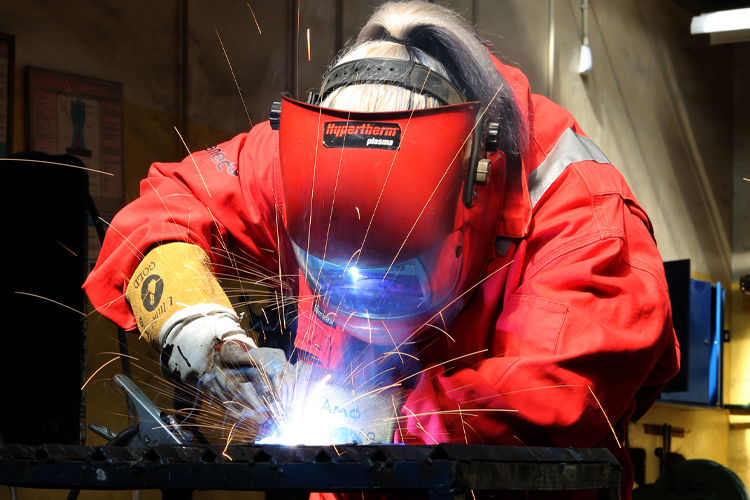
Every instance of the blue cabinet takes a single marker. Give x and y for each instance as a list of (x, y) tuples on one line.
[(699, 313)]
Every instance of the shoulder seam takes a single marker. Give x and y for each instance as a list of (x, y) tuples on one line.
[(571, 246)]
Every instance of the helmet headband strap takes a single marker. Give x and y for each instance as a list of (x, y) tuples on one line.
[(385, 71), (387, 37)]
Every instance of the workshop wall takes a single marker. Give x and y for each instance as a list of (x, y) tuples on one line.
[(739, 369), (670, 111)]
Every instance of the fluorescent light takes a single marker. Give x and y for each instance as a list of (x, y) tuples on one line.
[(726, 20)]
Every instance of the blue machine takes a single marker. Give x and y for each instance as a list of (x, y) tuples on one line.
[(699, 322)]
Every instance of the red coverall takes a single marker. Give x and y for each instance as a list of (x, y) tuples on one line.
[(582, 307)]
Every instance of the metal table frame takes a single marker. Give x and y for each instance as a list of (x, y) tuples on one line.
[(446, 471)]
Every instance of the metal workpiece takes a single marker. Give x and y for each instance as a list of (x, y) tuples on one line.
[(445, 471)]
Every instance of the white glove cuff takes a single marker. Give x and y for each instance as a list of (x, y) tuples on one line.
[(188, 338)]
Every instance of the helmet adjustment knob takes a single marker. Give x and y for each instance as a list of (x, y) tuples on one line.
[(484, 168), (275, 115), (493, 137)]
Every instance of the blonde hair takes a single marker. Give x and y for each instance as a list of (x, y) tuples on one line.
[(443, 41)]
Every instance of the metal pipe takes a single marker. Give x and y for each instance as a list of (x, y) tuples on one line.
[(585, 11), (293, 46), (585, 60), (184, 88), (339, 38), (551, 50)]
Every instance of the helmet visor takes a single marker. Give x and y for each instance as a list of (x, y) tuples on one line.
[(389, 291)]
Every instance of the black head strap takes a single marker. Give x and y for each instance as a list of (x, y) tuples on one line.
[(387, 37), (407, 74)]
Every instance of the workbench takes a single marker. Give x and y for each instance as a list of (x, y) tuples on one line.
[(445, 471)]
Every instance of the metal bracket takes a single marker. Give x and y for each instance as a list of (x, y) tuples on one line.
[(155, 428)]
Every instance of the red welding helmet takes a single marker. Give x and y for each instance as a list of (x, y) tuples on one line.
[(380, 209)]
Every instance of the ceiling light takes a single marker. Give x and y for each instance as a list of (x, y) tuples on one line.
[(726, 26)]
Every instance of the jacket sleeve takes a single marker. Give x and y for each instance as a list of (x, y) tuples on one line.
[(585, 330), (221, 199)]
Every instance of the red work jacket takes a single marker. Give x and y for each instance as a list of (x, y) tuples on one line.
[(579, 307)]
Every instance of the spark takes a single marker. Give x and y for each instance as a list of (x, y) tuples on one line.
[(440, 329), (394, 341), (116, 354), (399, 382), (98, 370), (229, 440), (457, 298), (360, 218), (53, 301), (254, 19), (746, 179), (605, 416), (419, 424), (388, 175), (194, 163), (462, 423), (470, 134), (538, 388), (347, 320), (235, 78), (60, 243), (312, 194), (524, 445), (367, 315), (464, 411), (395, 412), (278, 245), (61, 164), (479, 436), (134, 248), (221, 238), (308, 44), (335, 189), (391, 353), (445, 327)]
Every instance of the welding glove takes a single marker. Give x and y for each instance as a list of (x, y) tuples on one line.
[(226, 363), (181, 309)]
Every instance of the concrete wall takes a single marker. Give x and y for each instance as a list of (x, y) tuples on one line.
[(669, 110)]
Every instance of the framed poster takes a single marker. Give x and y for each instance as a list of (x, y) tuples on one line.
[(7, 79), (82, 117)]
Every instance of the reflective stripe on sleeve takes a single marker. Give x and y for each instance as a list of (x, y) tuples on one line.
[(570, 148)]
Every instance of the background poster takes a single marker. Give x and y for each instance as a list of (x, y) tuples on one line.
[(82, 117)]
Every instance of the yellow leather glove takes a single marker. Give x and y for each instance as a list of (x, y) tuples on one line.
[(170, 278), (181, 308)]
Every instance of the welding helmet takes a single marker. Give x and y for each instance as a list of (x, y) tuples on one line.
[(383, 209)]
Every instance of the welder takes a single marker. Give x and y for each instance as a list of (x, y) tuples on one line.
[(425, 201)]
